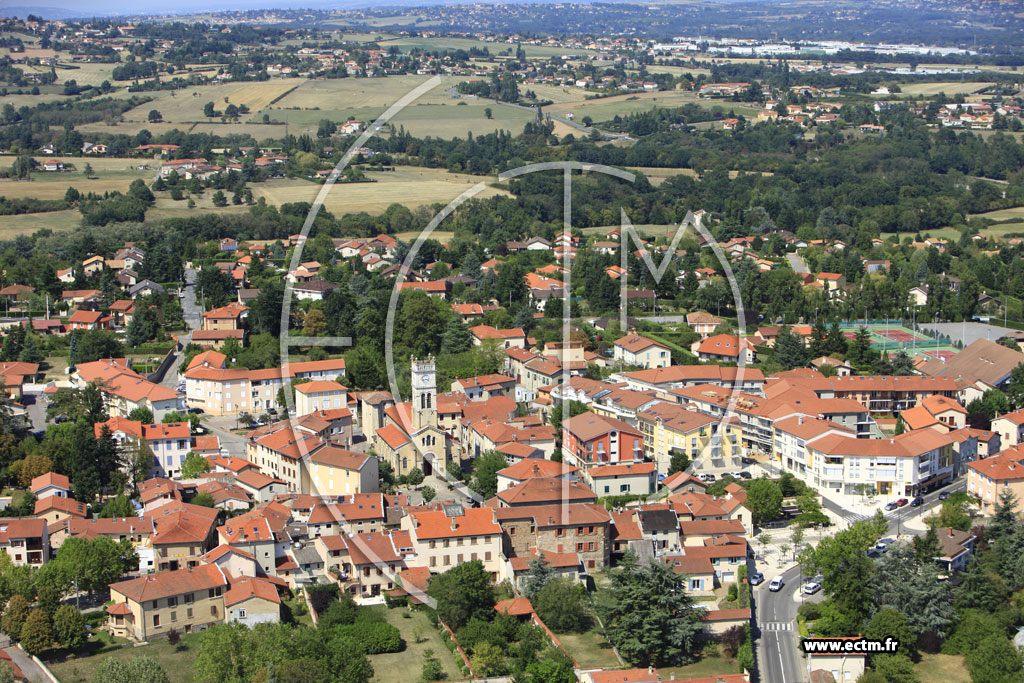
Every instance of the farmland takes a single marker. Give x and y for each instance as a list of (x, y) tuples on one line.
[(409, 186), (606, 108), (28, 223), (1003, 214), (949, 87)]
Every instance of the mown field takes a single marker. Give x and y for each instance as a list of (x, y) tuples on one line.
[(28, 223), (606, 108), (1002, 214), (409, 186), (949, 87)]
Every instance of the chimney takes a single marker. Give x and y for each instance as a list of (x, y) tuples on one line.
[(951, 532)]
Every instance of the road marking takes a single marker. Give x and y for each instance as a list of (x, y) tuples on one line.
[(777, 626)]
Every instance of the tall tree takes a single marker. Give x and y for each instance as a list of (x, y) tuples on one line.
[(651, 619), (462, 593), (789, 350), (764, 498), (485, 473)]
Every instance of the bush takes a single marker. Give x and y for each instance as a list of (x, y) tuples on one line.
[(561, 606), (711, 650), (732, 639), (745, 657), (432, 671), (338, 612), (321, 597), (375, 637), (731, 595), (810, 611)]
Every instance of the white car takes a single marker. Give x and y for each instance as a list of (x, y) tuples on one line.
[(776, 584), (812, 586)]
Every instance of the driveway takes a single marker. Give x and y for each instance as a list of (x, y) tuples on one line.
[(797, 263), (24, 662)]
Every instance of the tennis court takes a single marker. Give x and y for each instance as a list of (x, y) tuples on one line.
[(899, 335)]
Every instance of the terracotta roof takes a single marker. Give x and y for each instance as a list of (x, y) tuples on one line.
[(50, 479), (246, 589), (24, 527), (109, 526), (680, 479), (634, 343), (539, 490), (169, 583), (517, 607), (536, 467), (434, 524), (1006, 466), (682, 564), (722, 345), (214, 359), (393, 436), (339, 457), (557, 514), (320, 386), (589, 426), (622, 470), (68, 505), (225, 549), (379, 546)]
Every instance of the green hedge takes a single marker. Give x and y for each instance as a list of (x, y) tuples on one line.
[(376, 637)]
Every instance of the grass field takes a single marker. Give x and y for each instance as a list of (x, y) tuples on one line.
[(178, 106), (940, 233), (442, 236), (606, 108), (175, 660), (1003, 229), (1002, 214), (949, 87), (28, 223), (590, 649), (419, 636), (409, 186), (165, 207), (436, 113), (946, 668), (704, 667), (54, 185)]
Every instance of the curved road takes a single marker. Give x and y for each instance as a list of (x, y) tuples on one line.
[(778, 640)]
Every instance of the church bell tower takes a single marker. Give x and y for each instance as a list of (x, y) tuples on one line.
[(424, 393)]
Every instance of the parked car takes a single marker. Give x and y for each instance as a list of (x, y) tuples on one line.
[(884, 543), (891, 505), (944, 495), (776, 584), (917, 502), (756, 579), (873, 553), (813, 586), (901, 502)]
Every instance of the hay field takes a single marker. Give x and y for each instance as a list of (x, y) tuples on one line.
[(182, 106), (28, 223), (54, 185), (355, 93), (412, 187), (676, 70), (558, 94), (165, 207), (949, 87)]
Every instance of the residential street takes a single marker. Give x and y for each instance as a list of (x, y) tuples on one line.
[(778, 641)]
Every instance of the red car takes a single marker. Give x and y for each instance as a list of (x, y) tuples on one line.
[(901, 502)]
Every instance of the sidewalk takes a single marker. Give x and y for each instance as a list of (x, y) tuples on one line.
[(24, 662)]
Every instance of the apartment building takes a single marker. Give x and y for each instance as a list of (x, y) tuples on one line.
[(590, 440), (903, 465), (313, 396), (636, 350), (988, 478), (669, 429), (26, 541), (185, 600), (1010, 428), (332, 471), (662, 380), (448, 537), (581, 528), (877, 393), (232, 391)]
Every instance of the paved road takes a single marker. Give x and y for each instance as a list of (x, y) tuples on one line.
[(797, 263), (775, 616), (775, 613)]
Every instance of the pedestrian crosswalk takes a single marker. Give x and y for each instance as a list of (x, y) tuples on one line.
[(777, 626)]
